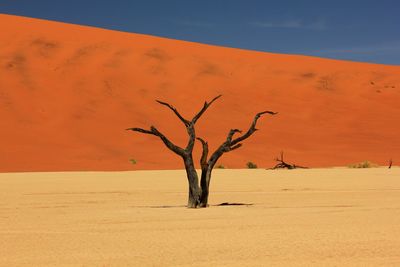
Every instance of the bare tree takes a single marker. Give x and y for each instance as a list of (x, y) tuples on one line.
[(198, 194), (284, 165)]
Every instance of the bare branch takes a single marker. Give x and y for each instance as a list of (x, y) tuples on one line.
[(140, 130), (167, 142), (186, 122), (231, 133), (203, 160), (203, 142), (189, 124), (192, 137), (235, 147), (153, 130), (252, 128), (230, 144), (205, 107)]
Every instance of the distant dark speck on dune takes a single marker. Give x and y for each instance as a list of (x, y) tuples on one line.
[(44, 47), (308, 75), (210, 69), (18, 60), (158, 54)]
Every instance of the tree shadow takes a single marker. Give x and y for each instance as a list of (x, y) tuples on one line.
[(184, 206), (233, 204)]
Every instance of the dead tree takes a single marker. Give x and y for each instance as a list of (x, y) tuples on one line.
[(185, 153), (198, 193), (283, 165)]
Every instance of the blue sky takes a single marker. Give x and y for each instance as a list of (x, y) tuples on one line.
[(358, 30)]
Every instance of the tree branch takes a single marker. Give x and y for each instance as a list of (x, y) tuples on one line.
[(252, 128), (203, 160), (235, 147), (192, 137), (231, 133), (230, 144), (140, 130), (153, 131), (190, 126), (186, 122), (205, 107)]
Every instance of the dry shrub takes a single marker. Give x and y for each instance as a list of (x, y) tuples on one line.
[(364, 164), (251, 165)]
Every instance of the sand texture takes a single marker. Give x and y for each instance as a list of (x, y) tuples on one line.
[(317, 217), (67, 93)]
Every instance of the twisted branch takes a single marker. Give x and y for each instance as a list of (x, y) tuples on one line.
[(252, 128), (189, 127), (186, 122), (205, 107), (203, 160), (153, 131)]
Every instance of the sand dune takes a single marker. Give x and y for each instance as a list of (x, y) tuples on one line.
[(67, 93), (320, 217)]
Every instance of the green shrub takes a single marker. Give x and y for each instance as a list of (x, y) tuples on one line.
[(220, 166), (364, 164), (251, 165), (133, 161)]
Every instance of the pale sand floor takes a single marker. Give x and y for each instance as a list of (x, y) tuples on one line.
[(320, 217)]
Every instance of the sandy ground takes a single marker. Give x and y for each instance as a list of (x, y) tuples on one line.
[(318, 217)]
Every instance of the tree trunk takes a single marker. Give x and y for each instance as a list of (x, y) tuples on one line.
[(205, 187), (193, 180), (206, 171)]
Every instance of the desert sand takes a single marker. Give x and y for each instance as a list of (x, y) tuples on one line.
[(315, 217), (67, 92)]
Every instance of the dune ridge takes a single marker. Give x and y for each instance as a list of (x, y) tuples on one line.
[(67, 92)]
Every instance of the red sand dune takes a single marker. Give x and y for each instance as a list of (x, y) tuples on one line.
[(67, 93)]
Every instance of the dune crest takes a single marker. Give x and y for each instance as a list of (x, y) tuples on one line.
[(67, 92)]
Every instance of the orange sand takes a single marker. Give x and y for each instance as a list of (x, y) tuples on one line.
[(319, 217), (67, 93)]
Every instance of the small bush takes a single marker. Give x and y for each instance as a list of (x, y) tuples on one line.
[(220, 166), (133, 161), (251, 165), (364, 164)]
